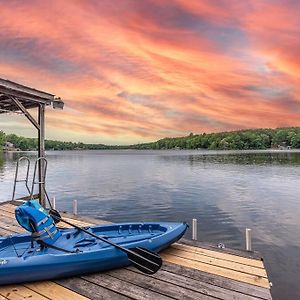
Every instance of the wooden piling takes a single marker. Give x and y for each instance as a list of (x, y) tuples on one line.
[(248, 239), (194, 230)]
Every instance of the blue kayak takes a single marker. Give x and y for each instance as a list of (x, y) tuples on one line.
[(22, 259)]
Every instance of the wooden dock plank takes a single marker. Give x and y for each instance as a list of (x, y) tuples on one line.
[(89, 220), (53, 291), (6, 214), (12, 227), (209, 246), (8, 207), (219, 281), (141, 290), (10, 220), (40, 290), (9, 216), (225, 256), (217, 262), (4, 232), (18, 292), (90, 289), (239, 276), (200, 289), (74, 221)]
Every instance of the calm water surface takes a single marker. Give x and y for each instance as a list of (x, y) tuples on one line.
[(225, 191)]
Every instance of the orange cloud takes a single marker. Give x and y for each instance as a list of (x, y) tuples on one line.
[(142, 70)]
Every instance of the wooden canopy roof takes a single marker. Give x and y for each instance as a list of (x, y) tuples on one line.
[(28, 97), (15, 97)]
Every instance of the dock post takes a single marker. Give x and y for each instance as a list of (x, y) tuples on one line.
[(194, 230), (248, 239), (53, 203), (75, 207)]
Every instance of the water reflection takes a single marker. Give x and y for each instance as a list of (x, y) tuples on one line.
[(1, 163), (226, 191), (255, 158)]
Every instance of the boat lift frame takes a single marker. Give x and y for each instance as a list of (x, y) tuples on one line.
[(18, 98)]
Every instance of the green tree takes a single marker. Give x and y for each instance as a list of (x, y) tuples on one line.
[(295, 141), (2, 139), (280, 137)]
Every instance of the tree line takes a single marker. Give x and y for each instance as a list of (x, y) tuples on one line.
[(24, 143), (231, 140)]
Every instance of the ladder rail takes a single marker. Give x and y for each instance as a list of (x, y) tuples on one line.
[(43, 179), (34, 180), (16, 180)]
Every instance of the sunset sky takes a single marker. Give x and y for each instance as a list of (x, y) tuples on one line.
[(138, 70)]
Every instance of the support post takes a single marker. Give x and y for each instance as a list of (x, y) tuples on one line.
[(53, 203), (75, 207), (194, 230), (41, 153), (248, 239)]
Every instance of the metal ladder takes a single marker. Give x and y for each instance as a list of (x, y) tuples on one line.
[(21, 180), (34, 180), (43, 179)]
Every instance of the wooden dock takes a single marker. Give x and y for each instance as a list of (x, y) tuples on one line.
[(191, 270)]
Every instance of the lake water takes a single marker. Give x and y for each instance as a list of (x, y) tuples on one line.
[(226, 191)]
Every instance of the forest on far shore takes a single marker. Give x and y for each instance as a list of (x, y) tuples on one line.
[(231, 140)]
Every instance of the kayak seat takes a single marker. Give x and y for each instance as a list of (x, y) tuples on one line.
[(35, 219)]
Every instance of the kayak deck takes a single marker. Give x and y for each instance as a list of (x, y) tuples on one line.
[(75, 240), (191, 270)]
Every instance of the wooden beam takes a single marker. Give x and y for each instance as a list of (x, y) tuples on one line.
[(25, 112)]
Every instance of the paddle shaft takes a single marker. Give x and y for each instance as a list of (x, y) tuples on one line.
[(95, 236)]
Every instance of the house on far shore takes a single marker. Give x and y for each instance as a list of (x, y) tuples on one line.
[(10, 147), (284, 147)]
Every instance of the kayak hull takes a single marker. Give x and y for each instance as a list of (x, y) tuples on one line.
[(24, 261)]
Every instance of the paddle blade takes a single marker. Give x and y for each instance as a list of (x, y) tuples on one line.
[(144, 260)]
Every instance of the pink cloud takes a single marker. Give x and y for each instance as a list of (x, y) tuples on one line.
[(143, 70)]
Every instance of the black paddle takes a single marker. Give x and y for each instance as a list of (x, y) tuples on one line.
[(143, 259)]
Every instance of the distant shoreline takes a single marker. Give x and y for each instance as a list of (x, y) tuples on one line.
[(200, 151), (252, 139)]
